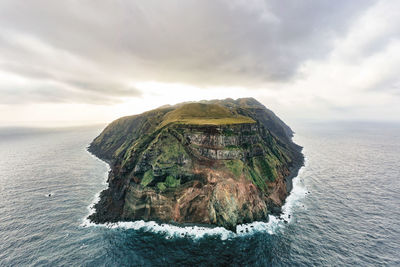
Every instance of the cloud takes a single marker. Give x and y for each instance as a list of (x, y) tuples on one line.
[(53, 75), (104, 46), (302, 58), (359, 76)]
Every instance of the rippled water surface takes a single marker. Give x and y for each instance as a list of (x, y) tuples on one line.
[(344, 209)]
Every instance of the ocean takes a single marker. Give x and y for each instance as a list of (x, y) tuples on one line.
[(344, 209)]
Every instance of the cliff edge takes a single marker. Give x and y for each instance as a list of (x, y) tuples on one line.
[(219, 162)]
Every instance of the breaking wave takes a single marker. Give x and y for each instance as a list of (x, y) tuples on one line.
[(274, 225)]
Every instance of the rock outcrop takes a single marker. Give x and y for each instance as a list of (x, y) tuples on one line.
[(220, 162)]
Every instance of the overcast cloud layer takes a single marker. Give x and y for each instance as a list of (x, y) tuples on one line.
[(301, 58)]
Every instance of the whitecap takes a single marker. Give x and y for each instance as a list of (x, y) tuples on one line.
[(96, 198), (293, 201), (273, 226), (169, 230)]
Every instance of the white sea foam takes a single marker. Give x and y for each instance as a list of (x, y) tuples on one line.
[(273, 226), (96, 199), (169, 230), (276, 224), (293, 201)]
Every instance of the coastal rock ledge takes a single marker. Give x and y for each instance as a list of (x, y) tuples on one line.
[(218, 162)]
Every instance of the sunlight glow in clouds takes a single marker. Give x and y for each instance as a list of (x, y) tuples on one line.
[(64, 63)]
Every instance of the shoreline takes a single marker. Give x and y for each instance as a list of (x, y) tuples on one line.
[(274, 225), (97, 197), (275, 213), (294, 172)]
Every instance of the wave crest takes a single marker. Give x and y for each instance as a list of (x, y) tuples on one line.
[(273, 226)]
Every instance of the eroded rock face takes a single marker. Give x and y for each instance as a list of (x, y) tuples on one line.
[(186, 173), (222, 142)]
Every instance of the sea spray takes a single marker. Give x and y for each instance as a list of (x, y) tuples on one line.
[(96, 199), (273, 226)]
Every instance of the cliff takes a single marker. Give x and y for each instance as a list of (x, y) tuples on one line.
[(220, 162)]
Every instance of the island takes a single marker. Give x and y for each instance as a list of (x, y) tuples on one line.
[(217, 163)]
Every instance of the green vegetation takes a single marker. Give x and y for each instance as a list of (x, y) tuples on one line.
[(228, 132), (232, 147), (161, 186), (207, 156), (137, 147), (235, 166), (213, 121), (258, 180), (260, 172), (204, 114), (121, 149), (144, 141), (171, 181), (147, 178), (263, 169), (163, 154), (169, 152)]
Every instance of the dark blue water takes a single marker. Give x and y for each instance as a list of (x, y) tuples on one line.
[(350, 217)]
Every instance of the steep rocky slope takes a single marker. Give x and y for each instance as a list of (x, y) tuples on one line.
[(220, 162)]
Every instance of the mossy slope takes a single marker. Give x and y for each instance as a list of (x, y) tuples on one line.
[(220, 162)]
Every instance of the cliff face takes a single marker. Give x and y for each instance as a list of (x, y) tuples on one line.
[(220, 162)]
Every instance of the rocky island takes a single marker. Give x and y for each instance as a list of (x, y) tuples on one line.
[(218, 162)]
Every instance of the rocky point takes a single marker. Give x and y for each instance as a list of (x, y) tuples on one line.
[(219, 162)]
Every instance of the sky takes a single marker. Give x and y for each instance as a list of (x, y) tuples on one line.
[(66, 63)]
